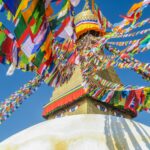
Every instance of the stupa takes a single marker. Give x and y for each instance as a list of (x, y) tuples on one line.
[(71, 97)]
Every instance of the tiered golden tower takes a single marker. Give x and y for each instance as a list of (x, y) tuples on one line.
[(71, 98)]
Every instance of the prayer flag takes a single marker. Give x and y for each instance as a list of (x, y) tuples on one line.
[(12, 5)]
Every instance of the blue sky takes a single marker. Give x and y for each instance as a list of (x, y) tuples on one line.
[(30, 111)]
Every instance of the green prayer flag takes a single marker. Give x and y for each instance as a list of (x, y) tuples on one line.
[(145, 40), (56, 22), (36, 26), (2, 37), (38, 60), (38, 14), (116, 98), (24, 59), (20, 27), (147, 101)]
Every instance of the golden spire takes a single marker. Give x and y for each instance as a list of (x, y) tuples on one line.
[(86, 6), (86, 20)]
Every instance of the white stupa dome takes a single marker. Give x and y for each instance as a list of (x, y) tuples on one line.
[(81, 132)]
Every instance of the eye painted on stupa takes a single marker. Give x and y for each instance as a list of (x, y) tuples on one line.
[(101, 108), (73, 108), (118, 114), (59, 115)]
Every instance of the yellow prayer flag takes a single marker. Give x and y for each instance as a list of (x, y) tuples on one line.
[(135, 7), (28, 13)]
